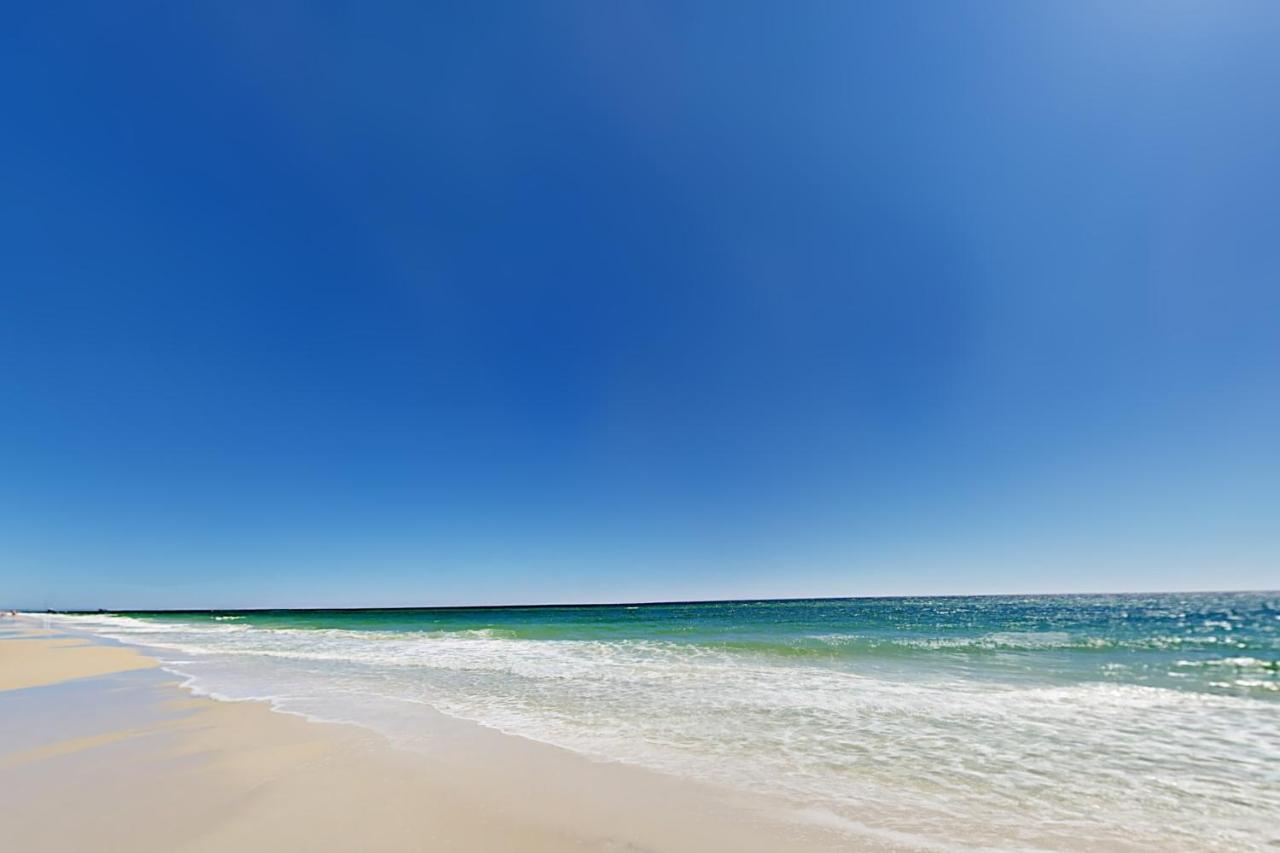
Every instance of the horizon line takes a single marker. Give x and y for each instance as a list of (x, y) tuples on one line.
[(649, 603)]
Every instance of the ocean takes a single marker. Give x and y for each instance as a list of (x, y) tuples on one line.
[(1004, 722)]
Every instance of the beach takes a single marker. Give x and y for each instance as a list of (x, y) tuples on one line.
[(711, 427), (1126, 723), (102, 750)]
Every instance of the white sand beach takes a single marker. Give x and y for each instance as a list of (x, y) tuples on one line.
[(101, 750)]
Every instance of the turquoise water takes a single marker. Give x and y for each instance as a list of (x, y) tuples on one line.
[(1019, 722), (1215, 642)]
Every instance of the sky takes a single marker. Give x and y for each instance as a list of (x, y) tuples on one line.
[(359, 304)]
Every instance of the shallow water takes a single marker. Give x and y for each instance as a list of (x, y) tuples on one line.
[(1036, 722)]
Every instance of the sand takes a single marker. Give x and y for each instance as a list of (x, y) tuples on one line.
[(40, 660), (100, 750)]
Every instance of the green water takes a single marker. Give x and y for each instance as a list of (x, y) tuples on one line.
[(1221, 642)]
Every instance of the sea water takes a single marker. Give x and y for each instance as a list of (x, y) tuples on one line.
[(1018, 722)]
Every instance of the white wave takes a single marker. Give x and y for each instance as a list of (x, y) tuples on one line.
[(1242, 662)]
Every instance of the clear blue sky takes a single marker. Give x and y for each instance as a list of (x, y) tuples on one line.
[(413, 303)]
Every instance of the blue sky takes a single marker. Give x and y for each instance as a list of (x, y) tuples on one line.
[(403, 303)]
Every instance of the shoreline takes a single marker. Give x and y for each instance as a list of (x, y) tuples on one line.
[(103, 747)]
